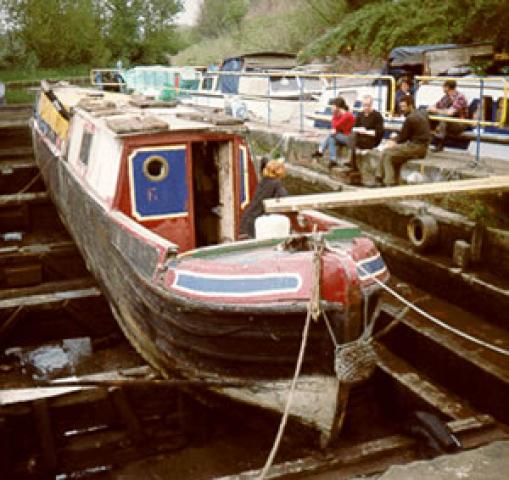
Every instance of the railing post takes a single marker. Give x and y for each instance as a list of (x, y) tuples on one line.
[(379, 81), (301, 104), (268, 100), (479, 118)]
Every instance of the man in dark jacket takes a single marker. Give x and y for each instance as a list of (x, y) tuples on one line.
[(369, 128), (412, 142)]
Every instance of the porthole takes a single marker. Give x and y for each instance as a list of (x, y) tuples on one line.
[(156, 168)]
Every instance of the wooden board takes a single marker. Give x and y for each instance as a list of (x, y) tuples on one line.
[(367, 196)]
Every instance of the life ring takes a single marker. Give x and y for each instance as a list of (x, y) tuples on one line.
[(423, 232)]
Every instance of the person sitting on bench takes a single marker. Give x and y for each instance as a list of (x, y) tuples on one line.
[(412, 142), (368, 130), (342, 123), (452, 104)]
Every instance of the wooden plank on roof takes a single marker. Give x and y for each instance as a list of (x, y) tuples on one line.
[(368, 196), (129, 124)]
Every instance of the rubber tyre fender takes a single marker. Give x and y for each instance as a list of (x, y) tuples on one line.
[(423, 232)]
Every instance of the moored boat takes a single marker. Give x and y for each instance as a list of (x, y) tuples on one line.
[(153, 196)]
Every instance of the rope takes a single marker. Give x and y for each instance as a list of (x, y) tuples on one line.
[(354, 361), (425, 314), (284, 418), (30, 183), (397, 318), (314, 303)]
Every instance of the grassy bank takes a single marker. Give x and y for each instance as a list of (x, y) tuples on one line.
[(16, 93)]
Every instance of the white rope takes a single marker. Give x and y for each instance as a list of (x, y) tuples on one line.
[(284, 418), (425, 314), (312, 312)]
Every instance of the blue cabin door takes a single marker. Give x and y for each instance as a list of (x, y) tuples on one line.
[(158, 180)]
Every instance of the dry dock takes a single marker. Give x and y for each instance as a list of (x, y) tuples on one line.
[(115, 419)]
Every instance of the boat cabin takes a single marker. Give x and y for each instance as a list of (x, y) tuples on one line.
[(226, 80), (180, 176)]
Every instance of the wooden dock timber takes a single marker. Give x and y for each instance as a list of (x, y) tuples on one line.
[(368, 196)]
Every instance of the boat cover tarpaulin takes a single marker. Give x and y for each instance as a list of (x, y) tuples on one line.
[(437, 59), (414, 55), (230, 83), (252, 61)]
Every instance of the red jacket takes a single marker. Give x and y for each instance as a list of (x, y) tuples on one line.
[(343, 123)]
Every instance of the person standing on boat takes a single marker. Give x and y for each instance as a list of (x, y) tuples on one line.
[(270, 186), (412, 142), (402, 91), (453, 104), (368, 130), (342, 123)]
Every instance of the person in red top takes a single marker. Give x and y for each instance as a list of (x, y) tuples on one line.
[(342, 124)]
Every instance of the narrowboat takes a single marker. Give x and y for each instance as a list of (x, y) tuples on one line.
[(153, 195), (264, 85)]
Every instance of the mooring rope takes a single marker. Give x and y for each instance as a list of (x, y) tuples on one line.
[(31, 182), (312, 312), (422, 312)]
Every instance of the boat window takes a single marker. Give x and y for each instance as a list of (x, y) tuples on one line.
[(312, 84), (207, 83), (156, 168), (282, 84), (86, 142)]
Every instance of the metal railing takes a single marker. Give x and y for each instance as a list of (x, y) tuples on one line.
[(96, 72), (480, 121), (301, 76), (479, 82), (332, 83)]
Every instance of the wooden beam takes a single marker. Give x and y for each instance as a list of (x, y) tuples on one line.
[(23, 198), (127, 414), (368, 196), (45, 433), (417, 384), (45, 299)]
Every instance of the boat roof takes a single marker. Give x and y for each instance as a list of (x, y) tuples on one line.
[(265, 60), (133, 114), (414, 55)]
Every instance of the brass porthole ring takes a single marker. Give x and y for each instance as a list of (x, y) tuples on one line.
[(156, 168)]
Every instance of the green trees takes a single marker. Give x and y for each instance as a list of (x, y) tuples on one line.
[(218, 17), (69, 32), (379, 26), (52, 33)]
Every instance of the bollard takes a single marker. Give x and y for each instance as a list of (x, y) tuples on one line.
[(461, 254)]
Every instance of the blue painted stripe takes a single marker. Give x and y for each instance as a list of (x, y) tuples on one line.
[(376, 265), (237, 285)]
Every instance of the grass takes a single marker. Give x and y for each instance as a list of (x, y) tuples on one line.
[(490, 210), (18, 94), (13, 75)]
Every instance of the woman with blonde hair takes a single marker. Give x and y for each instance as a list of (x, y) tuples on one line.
[(270, 186)]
